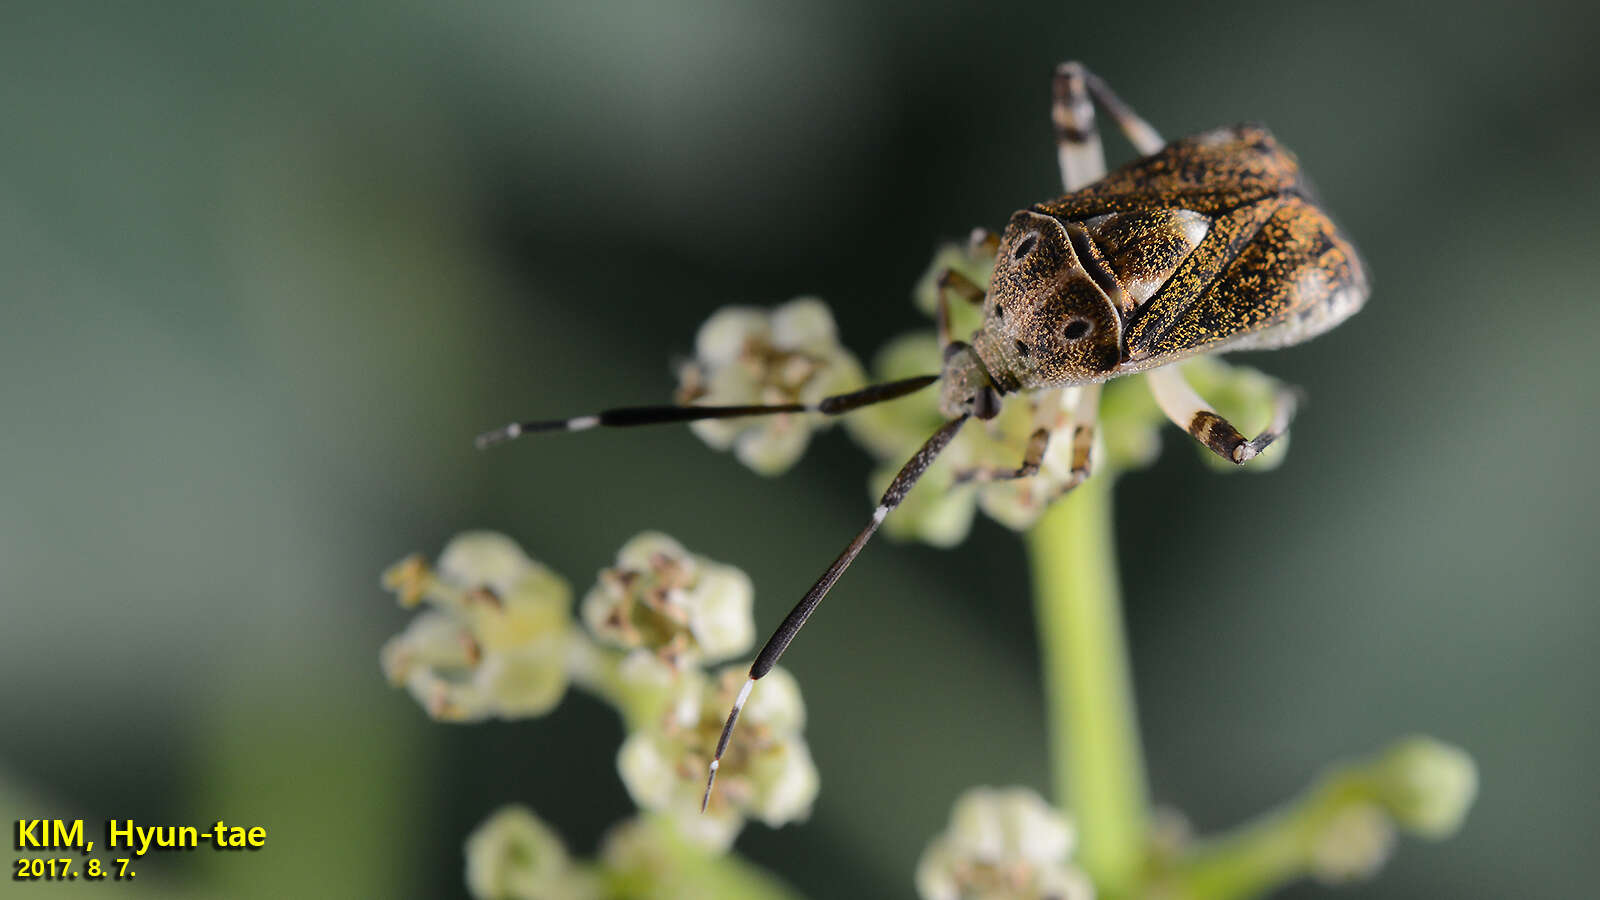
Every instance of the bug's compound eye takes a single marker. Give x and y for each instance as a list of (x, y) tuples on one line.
[(1076, 328), (1026, 245), (986, 405)]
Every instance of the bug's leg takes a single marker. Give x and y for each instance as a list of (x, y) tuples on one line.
[(1189, 411), (1078, 149), (952, 282), (1085, 417), (1082, 419), (1074, 117), (1038, 444)]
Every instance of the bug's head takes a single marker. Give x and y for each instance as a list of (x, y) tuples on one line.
[(1049, 317), (965, 388)]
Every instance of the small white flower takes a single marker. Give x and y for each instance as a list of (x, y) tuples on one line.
[(679, 607), (747, 356), (1002, 843), (766, 774), (496, 641), (433, 640), (525, 681)]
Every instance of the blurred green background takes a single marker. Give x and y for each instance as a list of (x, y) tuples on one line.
[(268, 267)]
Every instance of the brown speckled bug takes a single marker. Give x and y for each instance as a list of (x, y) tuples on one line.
[(1209, 243)]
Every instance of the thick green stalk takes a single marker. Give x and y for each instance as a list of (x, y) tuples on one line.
[(1097, 763)]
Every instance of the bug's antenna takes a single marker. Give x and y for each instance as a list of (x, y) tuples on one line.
[(657, 415), (779, 642)]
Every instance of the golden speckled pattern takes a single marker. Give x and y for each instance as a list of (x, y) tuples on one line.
[(1295, 275), (1229, 235), (1143, 249), (1211, 172)]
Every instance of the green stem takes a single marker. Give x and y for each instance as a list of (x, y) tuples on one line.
[(1254, 859), (597, 670), (1097, 763), (1339, 827)]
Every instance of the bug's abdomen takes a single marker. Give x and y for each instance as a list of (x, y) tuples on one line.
[(1269, 274)]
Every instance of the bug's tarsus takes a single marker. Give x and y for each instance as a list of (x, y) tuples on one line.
[(1284, 405), (630, 416), (791, 624), (1189, 411)]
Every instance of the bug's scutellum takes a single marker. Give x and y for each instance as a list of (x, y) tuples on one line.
[(1213, 242)]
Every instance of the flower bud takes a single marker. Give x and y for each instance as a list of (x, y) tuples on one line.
[(1427, 786), (514, 855)]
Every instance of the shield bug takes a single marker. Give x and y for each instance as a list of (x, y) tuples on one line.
[(1210, 243)]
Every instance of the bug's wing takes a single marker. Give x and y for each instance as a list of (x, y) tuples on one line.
[(1269, 274), (1212, 173)]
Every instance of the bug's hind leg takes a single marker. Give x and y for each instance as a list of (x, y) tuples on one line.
[(1078, 149), (1189, 411), (1077, 140)]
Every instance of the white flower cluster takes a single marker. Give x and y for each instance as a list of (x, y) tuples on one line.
[(499, 640)]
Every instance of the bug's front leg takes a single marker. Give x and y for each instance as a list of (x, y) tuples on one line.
[(1082, 421), (950, 281), (1189, 411), (1085, 418), (1032, 458)]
